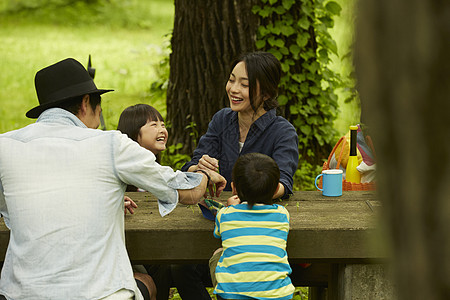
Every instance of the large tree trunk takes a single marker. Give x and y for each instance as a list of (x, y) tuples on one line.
[(207, 36), (403, 69)]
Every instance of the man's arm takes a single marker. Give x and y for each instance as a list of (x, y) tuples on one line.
[(193, 196)]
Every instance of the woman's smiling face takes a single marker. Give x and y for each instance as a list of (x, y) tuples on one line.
[(238, 89)]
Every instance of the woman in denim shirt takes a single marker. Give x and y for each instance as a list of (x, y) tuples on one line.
[(250, 124)]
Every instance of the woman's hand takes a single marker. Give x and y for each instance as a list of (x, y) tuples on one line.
[(233, 200), (129, 205), (208, 163), (218, 181)]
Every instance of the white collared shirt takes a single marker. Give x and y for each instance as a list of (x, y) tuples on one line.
[(61, 195)]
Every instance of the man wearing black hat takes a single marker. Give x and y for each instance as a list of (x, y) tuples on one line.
[(62, 185)]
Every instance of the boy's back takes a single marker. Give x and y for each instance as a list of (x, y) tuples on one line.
[(254, 262)]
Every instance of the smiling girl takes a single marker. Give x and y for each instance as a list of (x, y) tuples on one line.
[(144, 125)]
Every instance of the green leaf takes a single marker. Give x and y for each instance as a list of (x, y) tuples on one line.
[(271, 40), (306, 8), (265, 12), (295, 49), (302, 40), (263, 30), (260, 44), (311, 101), (276, 42), (323, 60), (327, 21), (272, 2), (319, 139), (282, 100), (304, 23), (287, 4), (274, 29), (304, 87), (280, 10), (313, 67), (313, 120), (323, 53), (287, 30), (255, 9), (306, 129), (284, 51), (333, 8), (293, 109), (331, 44), (294, 88), (285, 67), (276, 53), (298, 77), (314, 90), (290, 62)]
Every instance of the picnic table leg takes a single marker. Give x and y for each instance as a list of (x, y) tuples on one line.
[(361, 281)]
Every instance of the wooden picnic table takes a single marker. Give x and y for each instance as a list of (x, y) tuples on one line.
[(329, 232), (321, 229)]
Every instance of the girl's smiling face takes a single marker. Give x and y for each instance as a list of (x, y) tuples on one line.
[(237, 89), (153, 136)]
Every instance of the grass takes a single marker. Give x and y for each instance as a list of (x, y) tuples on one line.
[(301, 293), (125, 52)]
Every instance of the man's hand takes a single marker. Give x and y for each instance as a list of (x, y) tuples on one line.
[(208, 163), (196, 194), (233, 200), (129, 205)]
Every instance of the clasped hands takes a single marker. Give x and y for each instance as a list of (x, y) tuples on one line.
[(211, 165)]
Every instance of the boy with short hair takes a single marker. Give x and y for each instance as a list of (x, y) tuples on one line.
[(253, 262)]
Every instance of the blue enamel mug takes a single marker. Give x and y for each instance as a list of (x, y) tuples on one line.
[(331, 182)]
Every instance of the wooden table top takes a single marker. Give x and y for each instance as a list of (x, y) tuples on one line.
[(324, 229)]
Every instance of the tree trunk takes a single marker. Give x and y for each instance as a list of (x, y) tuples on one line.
[(403, 67), (207, 36)]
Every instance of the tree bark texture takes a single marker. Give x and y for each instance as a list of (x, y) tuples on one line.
[(403, 69), (207, 37)]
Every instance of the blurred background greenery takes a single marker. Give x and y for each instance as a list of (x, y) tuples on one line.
[(129, 41)]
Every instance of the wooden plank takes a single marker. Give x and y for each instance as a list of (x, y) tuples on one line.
[(323, 229)]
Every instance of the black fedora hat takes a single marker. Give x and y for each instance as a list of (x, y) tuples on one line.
[(60, 82)]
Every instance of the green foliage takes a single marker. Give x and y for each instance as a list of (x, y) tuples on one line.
[(296, 32), (305, 175), (301, 293), (172, 157)]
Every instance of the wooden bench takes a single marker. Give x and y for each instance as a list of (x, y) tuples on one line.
[(331, 233)]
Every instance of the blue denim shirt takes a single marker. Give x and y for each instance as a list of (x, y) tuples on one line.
[(269, 134), (61, 195)]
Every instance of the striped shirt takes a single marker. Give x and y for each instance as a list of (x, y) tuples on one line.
[(254, 262)]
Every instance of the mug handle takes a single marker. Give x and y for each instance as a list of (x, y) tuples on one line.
[(315, 182)]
